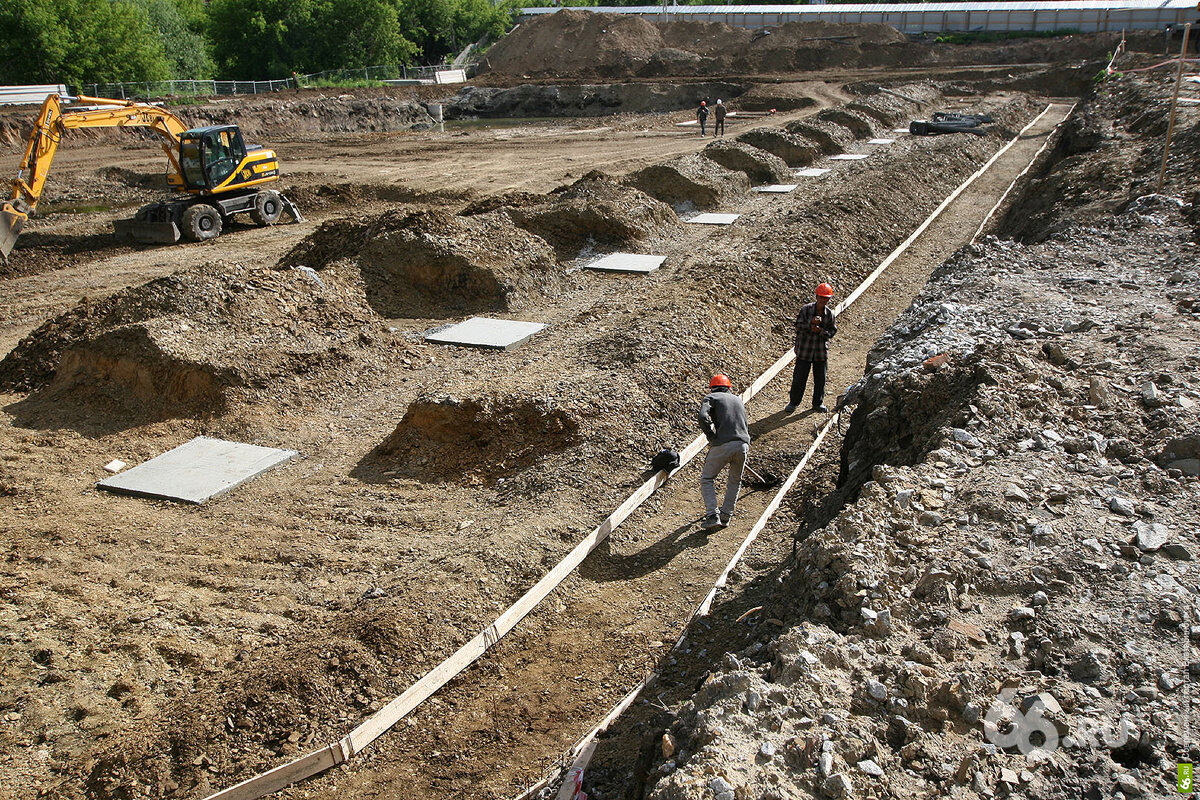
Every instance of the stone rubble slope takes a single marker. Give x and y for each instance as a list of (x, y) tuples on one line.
[(1017, 567)]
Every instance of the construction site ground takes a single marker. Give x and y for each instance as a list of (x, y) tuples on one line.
[(163, 650)]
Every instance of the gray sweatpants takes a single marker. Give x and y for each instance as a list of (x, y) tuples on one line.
[(732, 454)]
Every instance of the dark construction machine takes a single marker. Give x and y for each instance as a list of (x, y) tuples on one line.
[(218, 174)]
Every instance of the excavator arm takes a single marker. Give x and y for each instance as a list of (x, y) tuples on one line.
[(52, 122)]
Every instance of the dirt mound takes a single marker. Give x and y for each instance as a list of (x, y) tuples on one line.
[(573, 42), (793, 150), (595, 210), (582, 43), (812, 45), (829, 137), (433, 263), (178, 345), (706, 39), (858, 124), (760, 166), (894, 105), (690, 181), (477, 439)]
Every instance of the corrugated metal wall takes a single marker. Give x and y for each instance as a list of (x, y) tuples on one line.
[(1088, 16)]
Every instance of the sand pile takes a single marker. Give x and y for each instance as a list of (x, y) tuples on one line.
[(690, 181), (593, 211), (759, 166), (794, 150), (445, 438), (177, 345), (435, 264)]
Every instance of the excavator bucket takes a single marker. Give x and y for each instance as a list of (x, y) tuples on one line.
[(143, 231), (11, 223)]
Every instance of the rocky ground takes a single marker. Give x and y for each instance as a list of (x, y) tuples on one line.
[(999, 599)]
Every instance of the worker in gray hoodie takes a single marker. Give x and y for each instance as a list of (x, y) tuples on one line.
[(723, 419)]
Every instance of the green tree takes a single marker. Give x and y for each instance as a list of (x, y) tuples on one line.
[(357, 33), (255, 39), (78, 41), (185, 45), (258, 39)]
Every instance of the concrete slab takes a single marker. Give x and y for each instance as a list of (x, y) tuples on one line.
[(777, 188), (881, 141), (198, 470), (497, 334), (848, 157), (713, 219), (811, 172), (627, 262)]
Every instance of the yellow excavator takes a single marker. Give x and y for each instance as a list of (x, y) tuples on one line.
[(220, 174)]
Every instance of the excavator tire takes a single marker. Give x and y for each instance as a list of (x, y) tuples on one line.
[(201, 222), (268, 206)]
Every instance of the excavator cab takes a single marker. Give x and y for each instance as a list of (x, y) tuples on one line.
[(209, 157)]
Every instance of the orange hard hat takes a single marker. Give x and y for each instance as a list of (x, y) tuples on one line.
[(824, 290), (719, 380), (703, 103)]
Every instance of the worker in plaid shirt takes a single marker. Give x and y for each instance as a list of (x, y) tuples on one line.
[(815, 326)]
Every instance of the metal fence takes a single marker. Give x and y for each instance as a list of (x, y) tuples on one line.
[(339, 77)]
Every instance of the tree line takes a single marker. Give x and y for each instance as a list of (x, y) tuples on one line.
[(102, 41)]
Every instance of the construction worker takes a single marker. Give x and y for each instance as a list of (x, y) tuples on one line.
[(815, 326), (719, 119), (702, 115), (723, 419)]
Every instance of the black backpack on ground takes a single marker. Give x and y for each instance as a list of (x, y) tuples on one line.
[(665, 459)]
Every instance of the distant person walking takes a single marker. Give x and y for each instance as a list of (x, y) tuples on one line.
[(815, 326), (719, 119), (702, 115), (723, 419)]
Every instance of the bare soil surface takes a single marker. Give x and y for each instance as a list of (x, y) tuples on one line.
[(153, 649)]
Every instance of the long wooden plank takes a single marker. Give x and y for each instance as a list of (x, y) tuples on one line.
[(378, 723)]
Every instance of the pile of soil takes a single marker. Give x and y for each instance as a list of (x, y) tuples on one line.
[(434, 263), (690, 182), (595, 212), (793, 150), (137, 352), (759, 166), (583, 44), (477, 439)]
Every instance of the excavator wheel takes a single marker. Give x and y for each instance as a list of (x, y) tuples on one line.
[(201, 222), (268, 206)]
